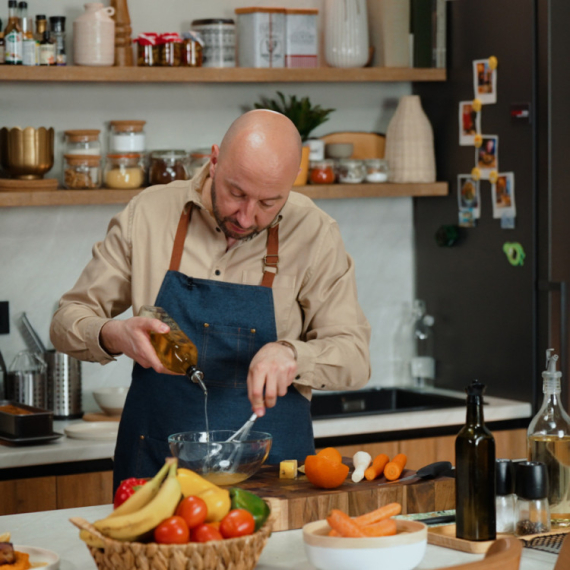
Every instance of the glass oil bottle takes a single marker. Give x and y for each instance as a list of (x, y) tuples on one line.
[(549, 443)]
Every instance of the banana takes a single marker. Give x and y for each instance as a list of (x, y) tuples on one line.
[(142, 496), (133, 526), (91, 539), (5, 537)]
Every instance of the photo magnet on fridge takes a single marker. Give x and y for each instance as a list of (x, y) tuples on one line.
[(468, 195), (469, 123), (503, 193), (484, 81), (487, 155)]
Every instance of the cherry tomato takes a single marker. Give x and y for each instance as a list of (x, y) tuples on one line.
[(173, 530), (238, 522), (193, 510), (126, 489), (204, 533)]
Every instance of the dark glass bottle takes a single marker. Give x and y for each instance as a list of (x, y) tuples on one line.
[(475, 472), (2, 46)]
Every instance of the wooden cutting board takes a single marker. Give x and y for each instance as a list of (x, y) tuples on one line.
[(295, 502)]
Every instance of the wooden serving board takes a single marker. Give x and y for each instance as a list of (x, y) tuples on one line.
[(95, 417), (295, 502), (445, 536)]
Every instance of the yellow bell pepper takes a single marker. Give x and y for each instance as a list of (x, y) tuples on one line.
[(218, 502), (191, 483)]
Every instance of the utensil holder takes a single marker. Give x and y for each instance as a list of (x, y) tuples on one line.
[(27, 387), (64, 385)]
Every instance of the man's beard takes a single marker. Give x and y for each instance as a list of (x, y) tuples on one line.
[(223, 222)]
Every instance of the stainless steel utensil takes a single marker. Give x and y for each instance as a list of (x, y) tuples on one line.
[(26, 381), (242, 432), (33, 340), (64, 385), (240, 435)]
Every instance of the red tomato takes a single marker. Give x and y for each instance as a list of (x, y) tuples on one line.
[(193, 510), (173, 530), (126, 489), (205, 533), (238, 522)]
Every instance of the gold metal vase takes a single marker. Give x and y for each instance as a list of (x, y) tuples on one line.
[(26, 154)]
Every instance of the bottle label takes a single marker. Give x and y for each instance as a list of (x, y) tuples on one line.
[(47, 54), (14, 47), (29, 52)]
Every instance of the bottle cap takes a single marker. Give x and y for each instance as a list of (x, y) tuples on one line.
[(476, 388), (22, 5), (40, 17), (531, 480), (505, 477), (12, 3), (57, 23)]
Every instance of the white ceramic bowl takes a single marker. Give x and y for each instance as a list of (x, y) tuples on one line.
[(403, 551), (339, 150), (111, 400)]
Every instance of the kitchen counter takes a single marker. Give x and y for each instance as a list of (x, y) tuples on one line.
[(65, 450), (284, 550)]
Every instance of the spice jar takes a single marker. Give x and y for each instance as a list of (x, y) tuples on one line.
[(147, 49), (322, 172), (376, 170), (84, 141), (532, 510), (198, 158), (127, 136), (219, 37), (192, 49), (81, 171), (167, 166), (505, 499), (124, 171), (170, 49), (351, 171)]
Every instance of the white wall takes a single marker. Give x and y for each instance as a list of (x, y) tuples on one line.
[(43, 250)]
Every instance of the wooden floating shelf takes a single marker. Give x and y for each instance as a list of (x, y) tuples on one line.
[(217, 75), (316, 192)]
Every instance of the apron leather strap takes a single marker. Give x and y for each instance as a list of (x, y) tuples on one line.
[(270, 261)]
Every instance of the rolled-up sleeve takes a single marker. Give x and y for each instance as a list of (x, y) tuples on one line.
[(333, 352)]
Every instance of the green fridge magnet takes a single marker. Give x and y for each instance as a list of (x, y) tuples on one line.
[(514, 252)]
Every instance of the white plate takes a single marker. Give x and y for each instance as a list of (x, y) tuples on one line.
[(40, 555), (93, 430)]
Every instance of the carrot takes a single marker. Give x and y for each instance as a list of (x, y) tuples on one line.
[(387, 527), (394, 469), (343, 524), (385, 512), (333, 532), (377, 467)]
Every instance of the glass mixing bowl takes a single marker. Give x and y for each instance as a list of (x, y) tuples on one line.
[(224, 463)]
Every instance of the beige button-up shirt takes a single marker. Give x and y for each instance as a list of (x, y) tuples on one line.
[(314, 291)]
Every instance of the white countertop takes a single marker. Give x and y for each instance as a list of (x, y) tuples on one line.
[(53, 531), (65, 449)]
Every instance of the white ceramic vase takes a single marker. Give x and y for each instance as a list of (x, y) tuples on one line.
[(94, 36), (409, 143), (346, 33)]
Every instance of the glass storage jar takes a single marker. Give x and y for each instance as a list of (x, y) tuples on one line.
[(147, 49), (192, 49), (124, 171), (84, 141), (376, 170), (322, 172), (127, 137), (81, 171), (170, 49), (351, 171), (198, 158), (167, 166)]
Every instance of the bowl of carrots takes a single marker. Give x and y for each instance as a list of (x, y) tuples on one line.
[(341, 542)]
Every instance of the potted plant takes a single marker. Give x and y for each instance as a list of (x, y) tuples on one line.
[(304, 116)]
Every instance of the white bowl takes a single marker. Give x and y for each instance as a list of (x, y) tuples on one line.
[(111, 400), (403, 551)]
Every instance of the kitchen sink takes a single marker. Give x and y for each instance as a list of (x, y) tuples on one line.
[(379, 401)]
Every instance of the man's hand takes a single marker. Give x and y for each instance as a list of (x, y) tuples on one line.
[(271, 372), (131, 337)]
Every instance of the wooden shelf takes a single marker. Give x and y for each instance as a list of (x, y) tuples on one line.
[(333, 191), (216, 75)]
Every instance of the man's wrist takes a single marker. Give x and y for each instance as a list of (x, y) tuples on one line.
[(288, 345)]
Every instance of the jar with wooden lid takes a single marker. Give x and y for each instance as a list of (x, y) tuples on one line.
[(192, 49), (81, 171), (127, 137), (124, 171), (148, 53), (82, 141), (170, 49), (198, 158), (167, 166)]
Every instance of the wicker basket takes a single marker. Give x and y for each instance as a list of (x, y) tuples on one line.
[(230, 554)]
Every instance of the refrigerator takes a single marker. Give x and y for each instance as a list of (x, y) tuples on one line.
[(494, 321)]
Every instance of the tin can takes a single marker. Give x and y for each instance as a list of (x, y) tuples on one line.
[(219, 37)]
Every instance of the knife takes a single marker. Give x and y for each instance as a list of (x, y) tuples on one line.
[(428, 472)]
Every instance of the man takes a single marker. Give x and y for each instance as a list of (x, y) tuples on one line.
[(257, 277)]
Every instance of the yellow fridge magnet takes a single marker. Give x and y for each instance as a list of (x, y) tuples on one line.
[(477, 105), (485, 81), (493, 63), (477, 141), (475, 174), (493, 175)]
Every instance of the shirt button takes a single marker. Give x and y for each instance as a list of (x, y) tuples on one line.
[(217, 272), (218, 230)]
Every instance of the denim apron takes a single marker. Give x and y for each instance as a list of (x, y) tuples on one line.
[(229, 323)]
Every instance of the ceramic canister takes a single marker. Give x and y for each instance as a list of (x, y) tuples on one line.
[(94, 36)]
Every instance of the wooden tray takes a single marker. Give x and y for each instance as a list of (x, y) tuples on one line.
[(445, 536), (13, 185)]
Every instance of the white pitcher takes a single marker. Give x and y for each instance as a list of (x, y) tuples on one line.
[(94, 36), (346, 33)]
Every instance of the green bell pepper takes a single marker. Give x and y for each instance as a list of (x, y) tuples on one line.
[(242, 499)]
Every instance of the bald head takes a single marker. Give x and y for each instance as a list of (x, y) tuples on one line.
[(264, 140)]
